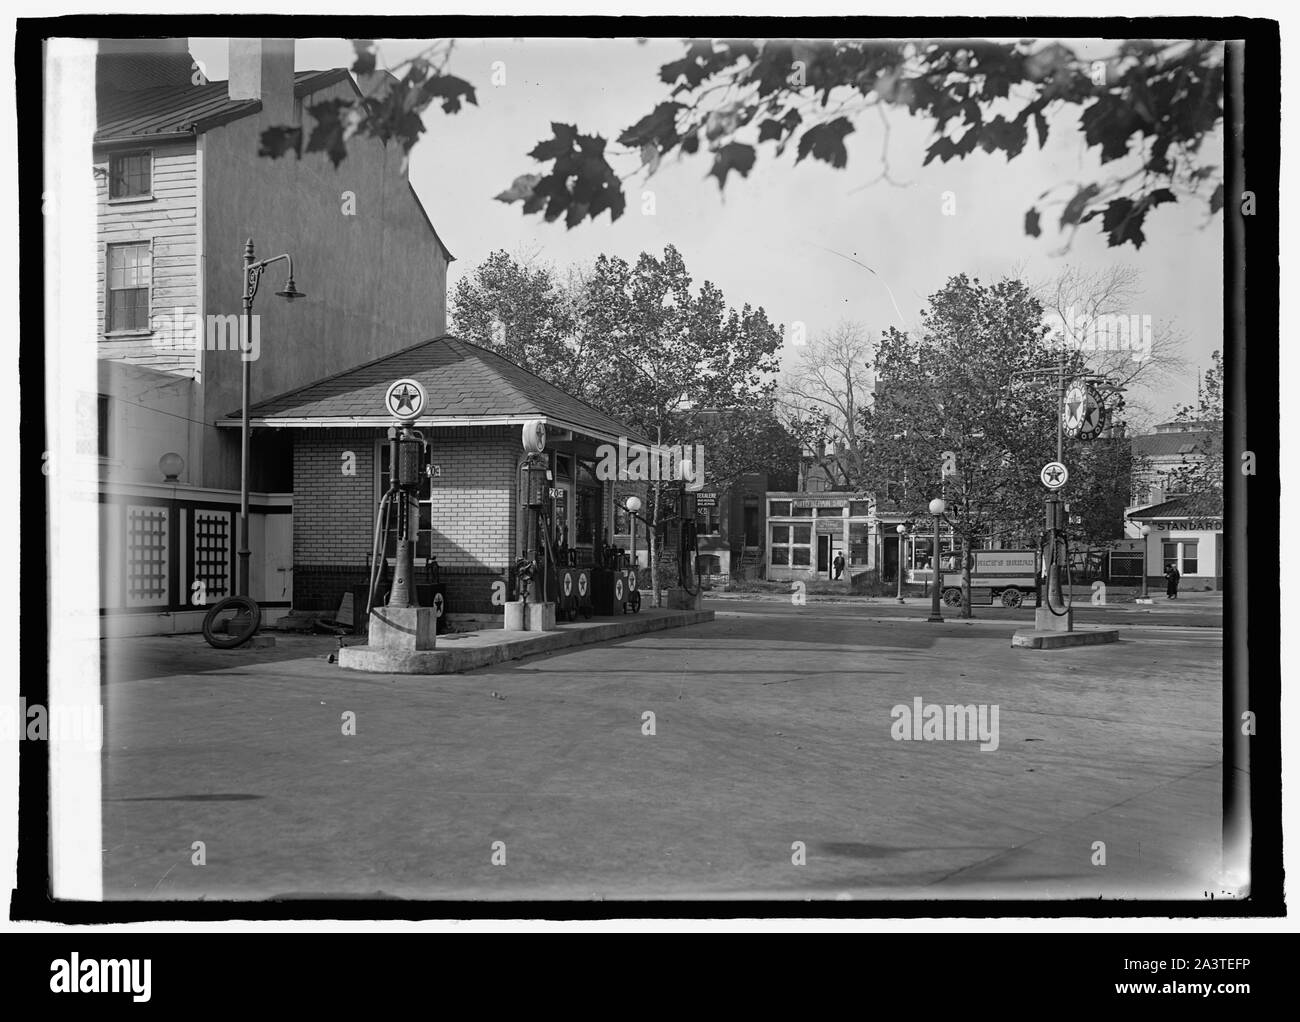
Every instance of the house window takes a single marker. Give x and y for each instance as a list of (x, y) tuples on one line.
[(424, 533), (792, 545), (130, 175), (830, 512), (708, 521), (128, 288)]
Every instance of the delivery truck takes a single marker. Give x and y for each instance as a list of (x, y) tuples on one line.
[(1005, 576)]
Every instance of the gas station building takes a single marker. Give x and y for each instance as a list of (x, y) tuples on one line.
[(471, 529)]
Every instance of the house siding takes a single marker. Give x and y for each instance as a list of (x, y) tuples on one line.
[(168, 223)]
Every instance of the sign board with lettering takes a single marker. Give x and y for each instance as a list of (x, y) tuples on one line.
[(706, 501), (1187, 525)]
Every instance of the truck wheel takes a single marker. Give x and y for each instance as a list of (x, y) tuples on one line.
[(952, 597), (1012, 597)]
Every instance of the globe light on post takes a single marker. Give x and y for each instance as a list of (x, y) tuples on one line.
[(937, 508), (633, 505), (1145, 531), (902, 533)]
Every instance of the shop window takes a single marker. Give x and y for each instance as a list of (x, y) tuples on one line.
[(801, 511), (779, 508), (830, 512), (792, 545), (859, 508)]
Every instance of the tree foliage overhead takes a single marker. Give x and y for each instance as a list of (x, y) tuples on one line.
[(1146, 109)]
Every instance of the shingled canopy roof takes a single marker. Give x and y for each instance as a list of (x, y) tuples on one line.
[(466, 386)]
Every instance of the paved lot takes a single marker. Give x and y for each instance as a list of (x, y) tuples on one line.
[(772, 726)]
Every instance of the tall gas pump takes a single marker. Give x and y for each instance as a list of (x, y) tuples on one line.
[(534, 608), (401, 624)]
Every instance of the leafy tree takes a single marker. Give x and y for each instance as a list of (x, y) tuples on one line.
[(958, 414), (1200, 475), (1146, 108), (822, 392), (523, 311), (678, 365)]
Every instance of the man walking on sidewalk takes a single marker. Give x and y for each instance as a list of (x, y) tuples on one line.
[(1172, 576)]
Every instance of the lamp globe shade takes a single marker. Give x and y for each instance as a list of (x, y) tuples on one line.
[(937, 506), (634, 504)]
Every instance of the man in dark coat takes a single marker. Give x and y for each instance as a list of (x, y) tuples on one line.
[(1172, 577)]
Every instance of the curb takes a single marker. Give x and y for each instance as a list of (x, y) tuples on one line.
[(468, 658), (1028, 639)]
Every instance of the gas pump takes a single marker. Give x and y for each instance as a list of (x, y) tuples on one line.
[(408, 456), (688, 543)]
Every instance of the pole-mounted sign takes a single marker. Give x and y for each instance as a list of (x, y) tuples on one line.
[(1084, 414), (1054, 475)]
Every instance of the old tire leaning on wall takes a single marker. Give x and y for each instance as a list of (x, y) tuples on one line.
[(252, 619)]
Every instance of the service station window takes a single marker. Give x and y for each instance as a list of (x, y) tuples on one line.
[(1184, 559), (586, 506)]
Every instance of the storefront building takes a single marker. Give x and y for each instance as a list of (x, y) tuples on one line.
[(1181, 534)]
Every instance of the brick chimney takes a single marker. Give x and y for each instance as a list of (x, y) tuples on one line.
[(263, 69)]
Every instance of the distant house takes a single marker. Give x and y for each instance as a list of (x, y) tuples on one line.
[(181, 190), (1184, 528), (1172, 446)]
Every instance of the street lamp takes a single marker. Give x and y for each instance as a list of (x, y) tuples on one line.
[(252, 278), (633, 505), (1144, 532), (902, 531), (937, 508)]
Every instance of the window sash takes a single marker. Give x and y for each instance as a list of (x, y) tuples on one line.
[(130, 174), (128, 274)]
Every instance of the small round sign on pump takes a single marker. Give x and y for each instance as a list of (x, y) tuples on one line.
[(405, 399), (534, 436)]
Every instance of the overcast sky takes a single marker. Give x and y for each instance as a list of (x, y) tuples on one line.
[(764, 241)]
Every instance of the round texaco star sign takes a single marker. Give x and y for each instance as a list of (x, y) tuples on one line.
[(1084, 415), (1054, 475), (405, 399)]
